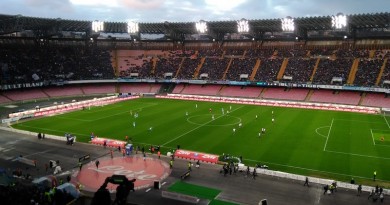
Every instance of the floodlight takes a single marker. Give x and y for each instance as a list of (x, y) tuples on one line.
[(97, 26), (201, 26), (243, 26), (132, 27), (288, 24), (339, 21)]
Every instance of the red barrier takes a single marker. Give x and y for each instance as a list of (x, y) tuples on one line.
[(203, 157), (109, 142)]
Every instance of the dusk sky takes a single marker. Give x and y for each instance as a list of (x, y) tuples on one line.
[(187, 10)]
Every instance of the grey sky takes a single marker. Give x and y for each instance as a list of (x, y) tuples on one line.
[(187, 10)]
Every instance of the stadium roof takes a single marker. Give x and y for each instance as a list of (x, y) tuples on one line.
[(19, 23)]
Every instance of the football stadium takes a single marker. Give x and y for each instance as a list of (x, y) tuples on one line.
[(207, 112)]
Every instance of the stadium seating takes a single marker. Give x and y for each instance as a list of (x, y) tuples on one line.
[(63, 91), (268, 70), (376, 100), (201, 89), (98, 89), (340, 97), (178, 88), (328, 68), (300, 69), (241, 91), (4, 100), (22, 95), (140, 88), (240, 66), (368, 72), (214, 67), (285, 94)]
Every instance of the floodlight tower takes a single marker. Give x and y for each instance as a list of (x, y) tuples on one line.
[(339, 24), (133, 30), (96, 28), (201, 27), (243, 26), (339, 21), (288, 24)]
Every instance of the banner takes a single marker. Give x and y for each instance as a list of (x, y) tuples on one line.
[(109, 142), (185, 154)]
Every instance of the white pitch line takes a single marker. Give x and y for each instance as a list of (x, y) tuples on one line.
[(320, 133), (330, 128), (52, 130), (372, 136), (363, 121), (359, 155), (201, 125), (386, 121), (316, 170)]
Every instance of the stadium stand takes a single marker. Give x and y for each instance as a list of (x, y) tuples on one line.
[(178, 88), (285, 94), (240, 66), (167, 65), (22, 95), (201, 89), (268, 70), (188, 68), (300, 69), (4, 100), (368, 72), (376, 100), (339, 97), (328, 68), (98, 89), (214, 68), (139, 88), (241, 91), (63, 91)]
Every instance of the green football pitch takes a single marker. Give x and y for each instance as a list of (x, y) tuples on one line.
[(336, 145)]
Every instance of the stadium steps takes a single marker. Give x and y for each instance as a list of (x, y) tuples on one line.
[(262, 93), (44, 92), (315, 69), (114, 62), (371, 54), (282, 69), (378, 79), (255, 68), (308, 96), (181, 65), (220, 90), (154, 65), (199, 67), (352, 73), (10, 98), (244, 54), (362, 98), (227, 69)]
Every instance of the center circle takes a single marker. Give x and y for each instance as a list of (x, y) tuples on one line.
[(133, 167), (207, 120)]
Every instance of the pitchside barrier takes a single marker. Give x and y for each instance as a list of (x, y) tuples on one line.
[(276, 103)]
